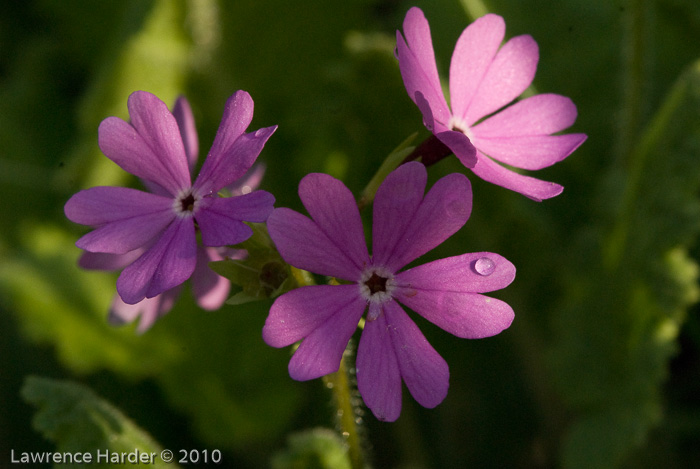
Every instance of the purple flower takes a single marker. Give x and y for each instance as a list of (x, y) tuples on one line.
[(446, 292), (485, 77), (209, 289), (160, 147)]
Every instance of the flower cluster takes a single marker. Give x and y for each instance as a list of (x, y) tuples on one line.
[(163, 237)]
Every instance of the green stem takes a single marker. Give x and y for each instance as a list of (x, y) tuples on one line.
[(391, 162), (636, 57), (347, 402), (342, 385), (474, 8), (633, 143), (649, 142)]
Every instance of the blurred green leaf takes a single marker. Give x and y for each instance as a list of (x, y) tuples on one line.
[(313, 449), (617, 332), (229, 392), (78, 421)]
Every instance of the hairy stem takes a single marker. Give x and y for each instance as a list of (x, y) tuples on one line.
[(347, 403)]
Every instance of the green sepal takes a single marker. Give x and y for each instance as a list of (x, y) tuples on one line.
[(262, 274)]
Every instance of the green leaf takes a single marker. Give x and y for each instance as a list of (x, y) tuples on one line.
[(617, 332), (229, 391), (78, 421), (319, 448)]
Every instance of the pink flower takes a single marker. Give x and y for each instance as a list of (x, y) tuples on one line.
[(160, 147), (446, 292), (485, 77)]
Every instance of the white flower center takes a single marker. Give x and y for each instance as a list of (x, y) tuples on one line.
[(377, 284), (459, 125), (186, 204)]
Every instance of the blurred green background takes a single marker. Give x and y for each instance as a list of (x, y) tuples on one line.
[(601, 367)]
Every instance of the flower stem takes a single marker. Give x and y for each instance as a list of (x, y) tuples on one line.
[(474, 8), (349, 412), (346, 399), (430, 151), (395, 158), (637, 21)]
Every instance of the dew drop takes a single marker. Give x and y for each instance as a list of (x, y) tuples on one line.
[(484, 266), (259, 132)]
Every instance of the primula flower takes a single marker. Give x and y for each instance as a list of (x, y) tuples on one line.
[(158, 146), (485, 77), (209, 289), (446, 292)]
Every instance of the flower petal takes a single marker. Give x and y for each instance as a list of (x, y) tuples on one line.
[(519, 135), (100, 205), (536, 189), (167, 264), (249, 181), (233, 151), (105, 261), (474, 52), (333, 208), (210, 290), (530, 152), (156, 124), (378, 376), (542, 114), (321, 351), (461, 146), (428, 119), (127, 235), (220, 219), (443, 211), (297, 313), (510, 73), (324, 316), (395, 205), (150, 309), (417, 64), (424, 371), (446, 293), (219, 229), (127, 219), (238, 113), (185, 122), (466, 315), (151, 146), (459, 274), (235, 163), (301, 243)]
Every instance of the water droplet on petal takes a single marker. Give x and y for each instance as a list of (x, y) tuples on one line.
[(259, 132), (484, 266)]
